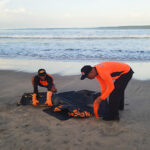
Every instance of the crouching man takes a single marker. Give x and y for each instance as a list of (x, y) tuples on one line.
[(43, 79)]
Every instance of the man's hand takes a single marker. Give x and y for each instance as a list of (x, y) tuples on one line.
[(54, 90), (34, 100), (98, 100), (96, 106)]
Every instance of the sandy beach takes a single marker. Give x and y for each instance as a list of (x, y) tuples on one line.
[(29, 128), (62, 37)]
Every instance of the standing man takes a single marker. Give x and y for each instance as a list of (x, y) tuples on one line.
[(106, 73), (43, 79)]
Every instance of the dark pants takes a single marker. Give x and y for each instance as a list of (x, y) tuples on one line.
[(116, 98)]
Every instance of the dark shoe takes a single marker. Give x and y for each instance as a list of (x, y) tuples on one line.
[(110, 118), (121, 109)]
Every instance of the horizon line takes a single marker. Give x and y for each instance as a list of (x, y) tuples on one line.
[(123, 26)]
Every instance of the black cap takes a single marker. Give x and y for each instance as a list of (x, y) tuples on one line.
[(85, 71), (41, 72)]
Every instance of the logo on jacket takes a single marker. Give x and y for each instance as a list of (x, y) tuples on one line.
[(101, 65)]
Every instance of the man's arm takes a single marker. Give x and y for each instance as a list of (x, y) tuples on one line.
[(53, 88), (109, 83), (98, 100), (50, 83), (51, 78), (35, 91), (105, 81), (35, 85), (102, 84), (110, 86)]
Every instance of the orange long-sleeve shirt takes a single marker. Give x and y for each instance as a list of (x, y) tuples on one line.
[(107, 72)]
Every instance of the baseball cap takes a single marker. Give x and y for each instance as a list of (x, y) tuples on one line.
[(41, 72), (85, 71)]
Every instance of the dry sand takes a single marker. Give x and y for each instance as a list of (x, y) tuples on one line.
[(28, 128)]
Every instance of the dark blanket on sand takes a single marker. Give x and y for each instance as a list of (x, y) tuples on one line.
[(67, 102)]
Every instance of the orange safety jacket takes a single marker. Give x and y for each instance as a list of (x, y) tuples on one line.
[(48, 82), (107, 72)]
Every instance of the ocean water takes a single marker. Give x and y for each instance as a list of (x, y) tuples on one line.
[(93, 44)]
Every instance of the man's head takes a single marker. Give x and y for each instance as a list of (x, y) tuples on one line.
[(88, 72), (42, 74)]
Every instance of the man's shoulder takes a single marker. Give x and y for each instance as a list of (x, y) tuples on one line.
[(99, 67), (102, 64), (48, 77), (36, 77), (102, 70)]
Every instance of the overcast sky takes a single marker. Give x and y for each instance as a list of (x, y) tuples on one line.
[(73, 13)]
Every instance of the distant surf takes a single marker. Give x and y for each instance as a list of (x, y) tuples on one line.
[(75, 37), (107, 43)]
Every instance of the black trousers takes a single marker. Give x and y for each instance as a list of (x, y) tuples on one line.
[(116, 98)]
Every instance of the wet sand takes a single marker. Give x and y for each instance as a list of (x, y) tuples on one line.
[(28, 128)]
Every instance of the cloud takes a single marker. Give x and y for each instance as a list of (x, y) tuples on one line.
[(15, 11), (67, 15), (2, 4), (4, 10), (13, 17)]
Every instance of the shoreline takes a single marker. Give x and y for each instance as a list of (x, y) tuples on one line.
[(66, 67)]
